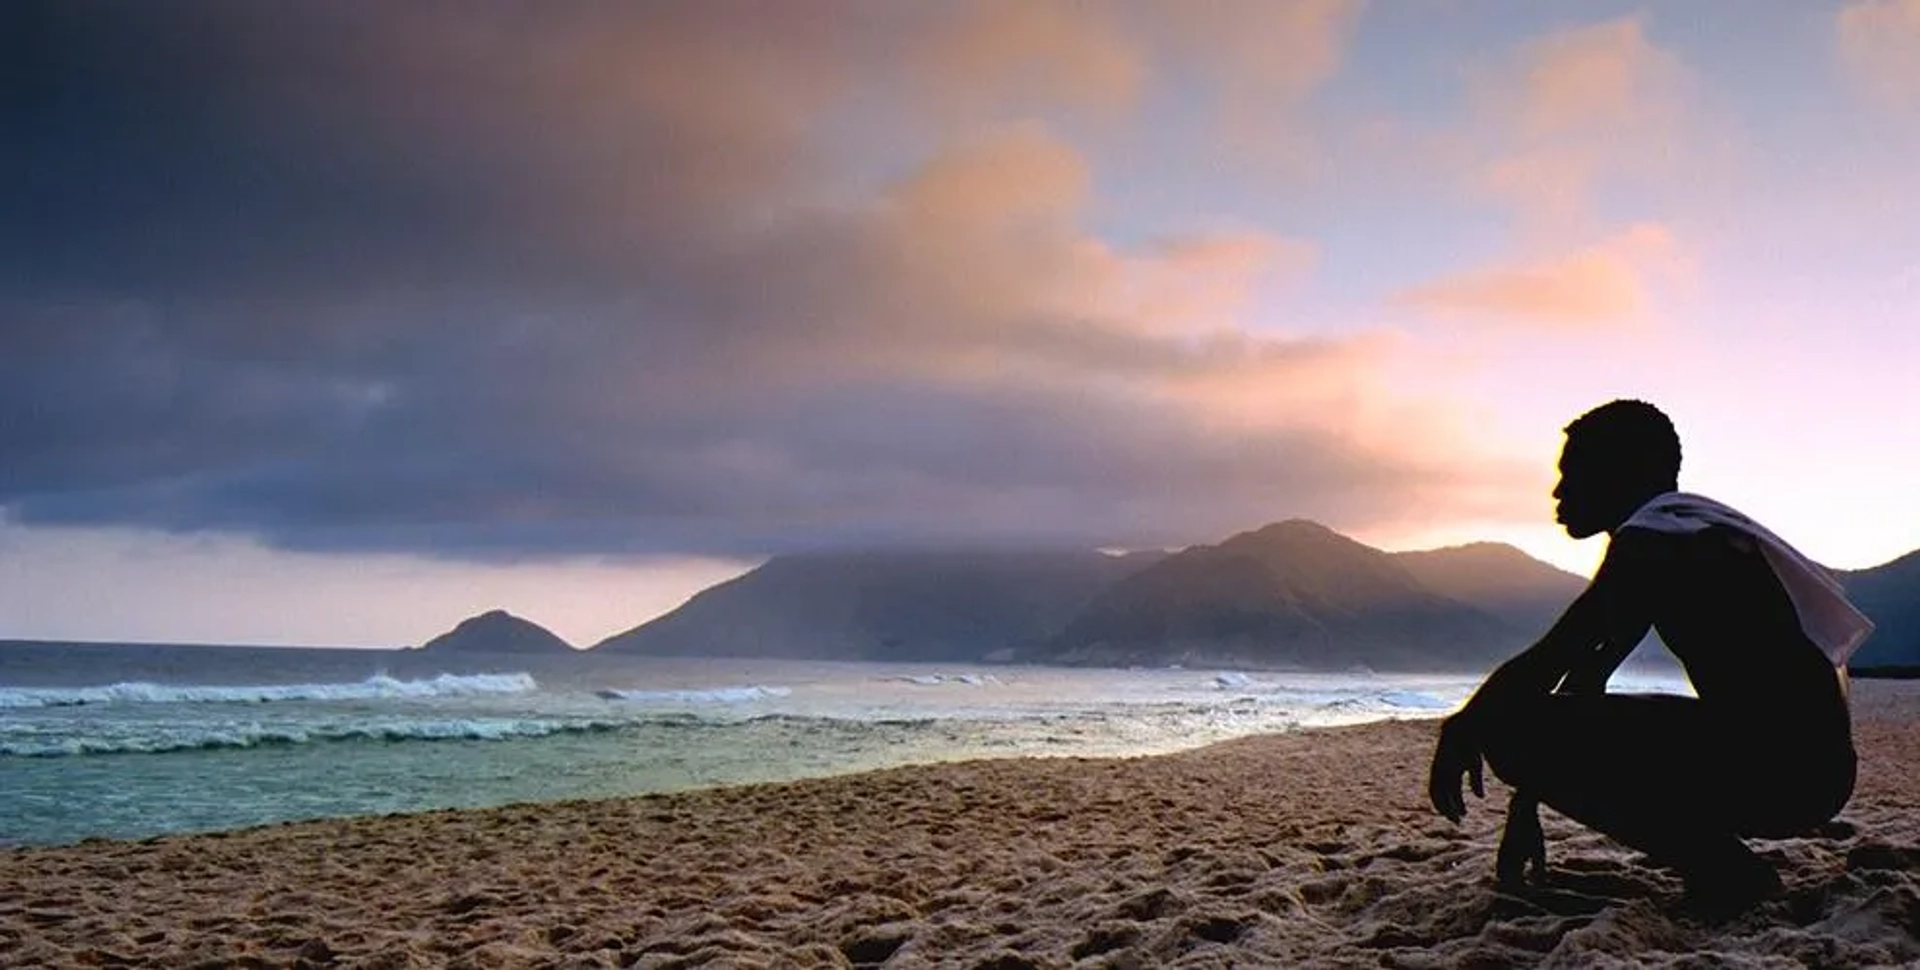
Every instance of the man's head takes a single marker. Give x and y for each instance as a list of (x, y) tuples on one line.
[(1616, 457)]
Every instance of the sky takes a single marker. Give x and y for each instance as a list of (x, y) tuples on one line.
[(335, 322)]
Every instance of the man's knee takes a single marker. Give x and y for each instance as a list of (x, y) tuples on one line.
[(1514, 740)]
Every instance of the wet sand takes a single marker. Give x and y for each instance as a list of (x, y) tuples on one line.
[(1313, 849)]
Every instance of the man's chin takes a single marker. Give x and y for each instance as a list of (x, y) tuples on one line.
[(1579, 531)]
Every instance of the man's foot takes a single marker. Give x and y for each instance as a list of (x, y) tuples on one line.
[(1726, 883)]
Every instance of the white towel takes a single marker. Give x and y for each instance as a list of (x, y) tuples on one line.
[(1826, 616)]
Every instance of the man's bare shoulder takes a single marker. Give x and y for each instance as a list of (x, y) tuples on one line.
[(1635, 547), (1638, 555), (1639, 562)]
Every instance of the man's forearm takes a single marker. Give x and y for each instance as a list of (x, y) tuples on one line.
[(1589, 674), (1540, 668), (1536, 670)]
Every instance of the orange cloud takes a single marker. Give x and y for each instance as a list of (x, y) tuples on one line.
[(1191, 285), (1002, 59), (975, 279), (1258, 50), (1880, 45), (1012, 52), (1262, 60), (1012, 175), (983, 265), (1575, 108), (1613, 282)]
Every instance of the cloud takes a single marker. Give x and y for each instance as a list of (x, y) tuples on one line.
[(602, 281), (1254, 64), (1560, 127), (1001, 53), (1258, 51), (1186, 284), (1261, 62), (1879, 43), (1579, 109), (1610, 283)]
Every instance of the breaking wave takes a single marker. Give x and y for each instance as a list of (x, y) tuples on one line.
[(376, 687)]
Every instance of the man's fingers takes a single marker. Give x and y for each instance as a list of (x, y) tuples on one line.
[(1443, 801), (1437, 794), (1453, 757)]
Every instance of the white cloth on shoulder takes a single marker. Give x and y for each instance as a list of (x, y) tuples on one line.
[(1826, 616)]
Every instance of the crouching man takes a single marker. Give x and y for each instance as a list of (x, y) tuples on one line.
[(1765, 749)]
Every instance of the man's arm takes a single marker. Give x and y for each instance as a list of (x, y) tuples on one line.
[(1614, 610), (1590, 673), (1595, 634)]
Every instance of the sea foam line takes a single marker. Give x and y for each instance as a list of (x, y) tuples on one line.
[(376, 687), (263, 736), (42, 741), (714, 695)]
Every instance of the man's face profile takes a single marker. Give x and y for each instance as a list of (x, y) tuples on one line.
[(1582, 494)]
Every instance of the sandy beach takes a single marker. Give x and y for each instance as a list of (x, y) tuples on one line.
[(1312, 849)]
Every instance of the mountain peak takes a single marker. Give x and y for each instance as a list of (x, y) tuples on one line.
[(1295, 527), (1299, 525), (497, 631), (1287, 533)]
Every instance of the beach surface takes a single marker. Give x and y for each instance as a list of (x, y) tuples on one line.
[(1309, 849)]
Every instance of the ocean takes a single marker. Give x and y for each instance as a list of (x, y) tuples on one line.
[(132, 741)]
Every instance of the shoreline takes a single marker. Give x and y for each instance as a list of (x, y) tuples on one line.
[(214, 758), (1308, 848), (1109, 750)]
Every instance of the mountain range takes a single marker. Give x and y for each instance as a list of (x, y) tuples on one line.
[(1889, 594), (945, 605), (1291, 595)]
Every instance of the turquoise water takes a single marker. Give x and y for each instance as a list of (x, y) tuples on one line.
[(133, 741)]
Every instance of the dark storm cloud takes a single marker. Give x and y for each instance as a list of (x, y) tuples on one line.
[(514, 279), (242, 147)]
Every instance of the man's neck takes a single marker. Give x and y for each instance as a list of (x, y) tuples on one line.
[(1637, 499)]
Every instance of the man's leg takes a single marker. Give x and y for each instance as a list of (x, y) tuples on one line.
[(1631, 766), (1649, 771)]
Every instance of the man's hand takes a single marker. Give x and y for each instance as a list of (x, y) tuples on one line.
[(1457, 755)]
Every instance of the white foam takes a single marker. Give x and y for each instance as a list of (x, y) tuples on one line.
[(376, 687), (713, 695), (936, 680), (259, 735), (1414, 700)]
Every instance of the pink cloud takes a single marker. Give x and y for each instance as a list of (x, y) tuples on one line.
[(1576, 108), (1880, 45), (1609, 283), (1256, 50), (1257, 62), (1005, 53)]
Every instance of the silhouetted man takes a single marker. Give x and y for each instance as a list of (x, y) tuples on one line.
[(1765, 749)]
